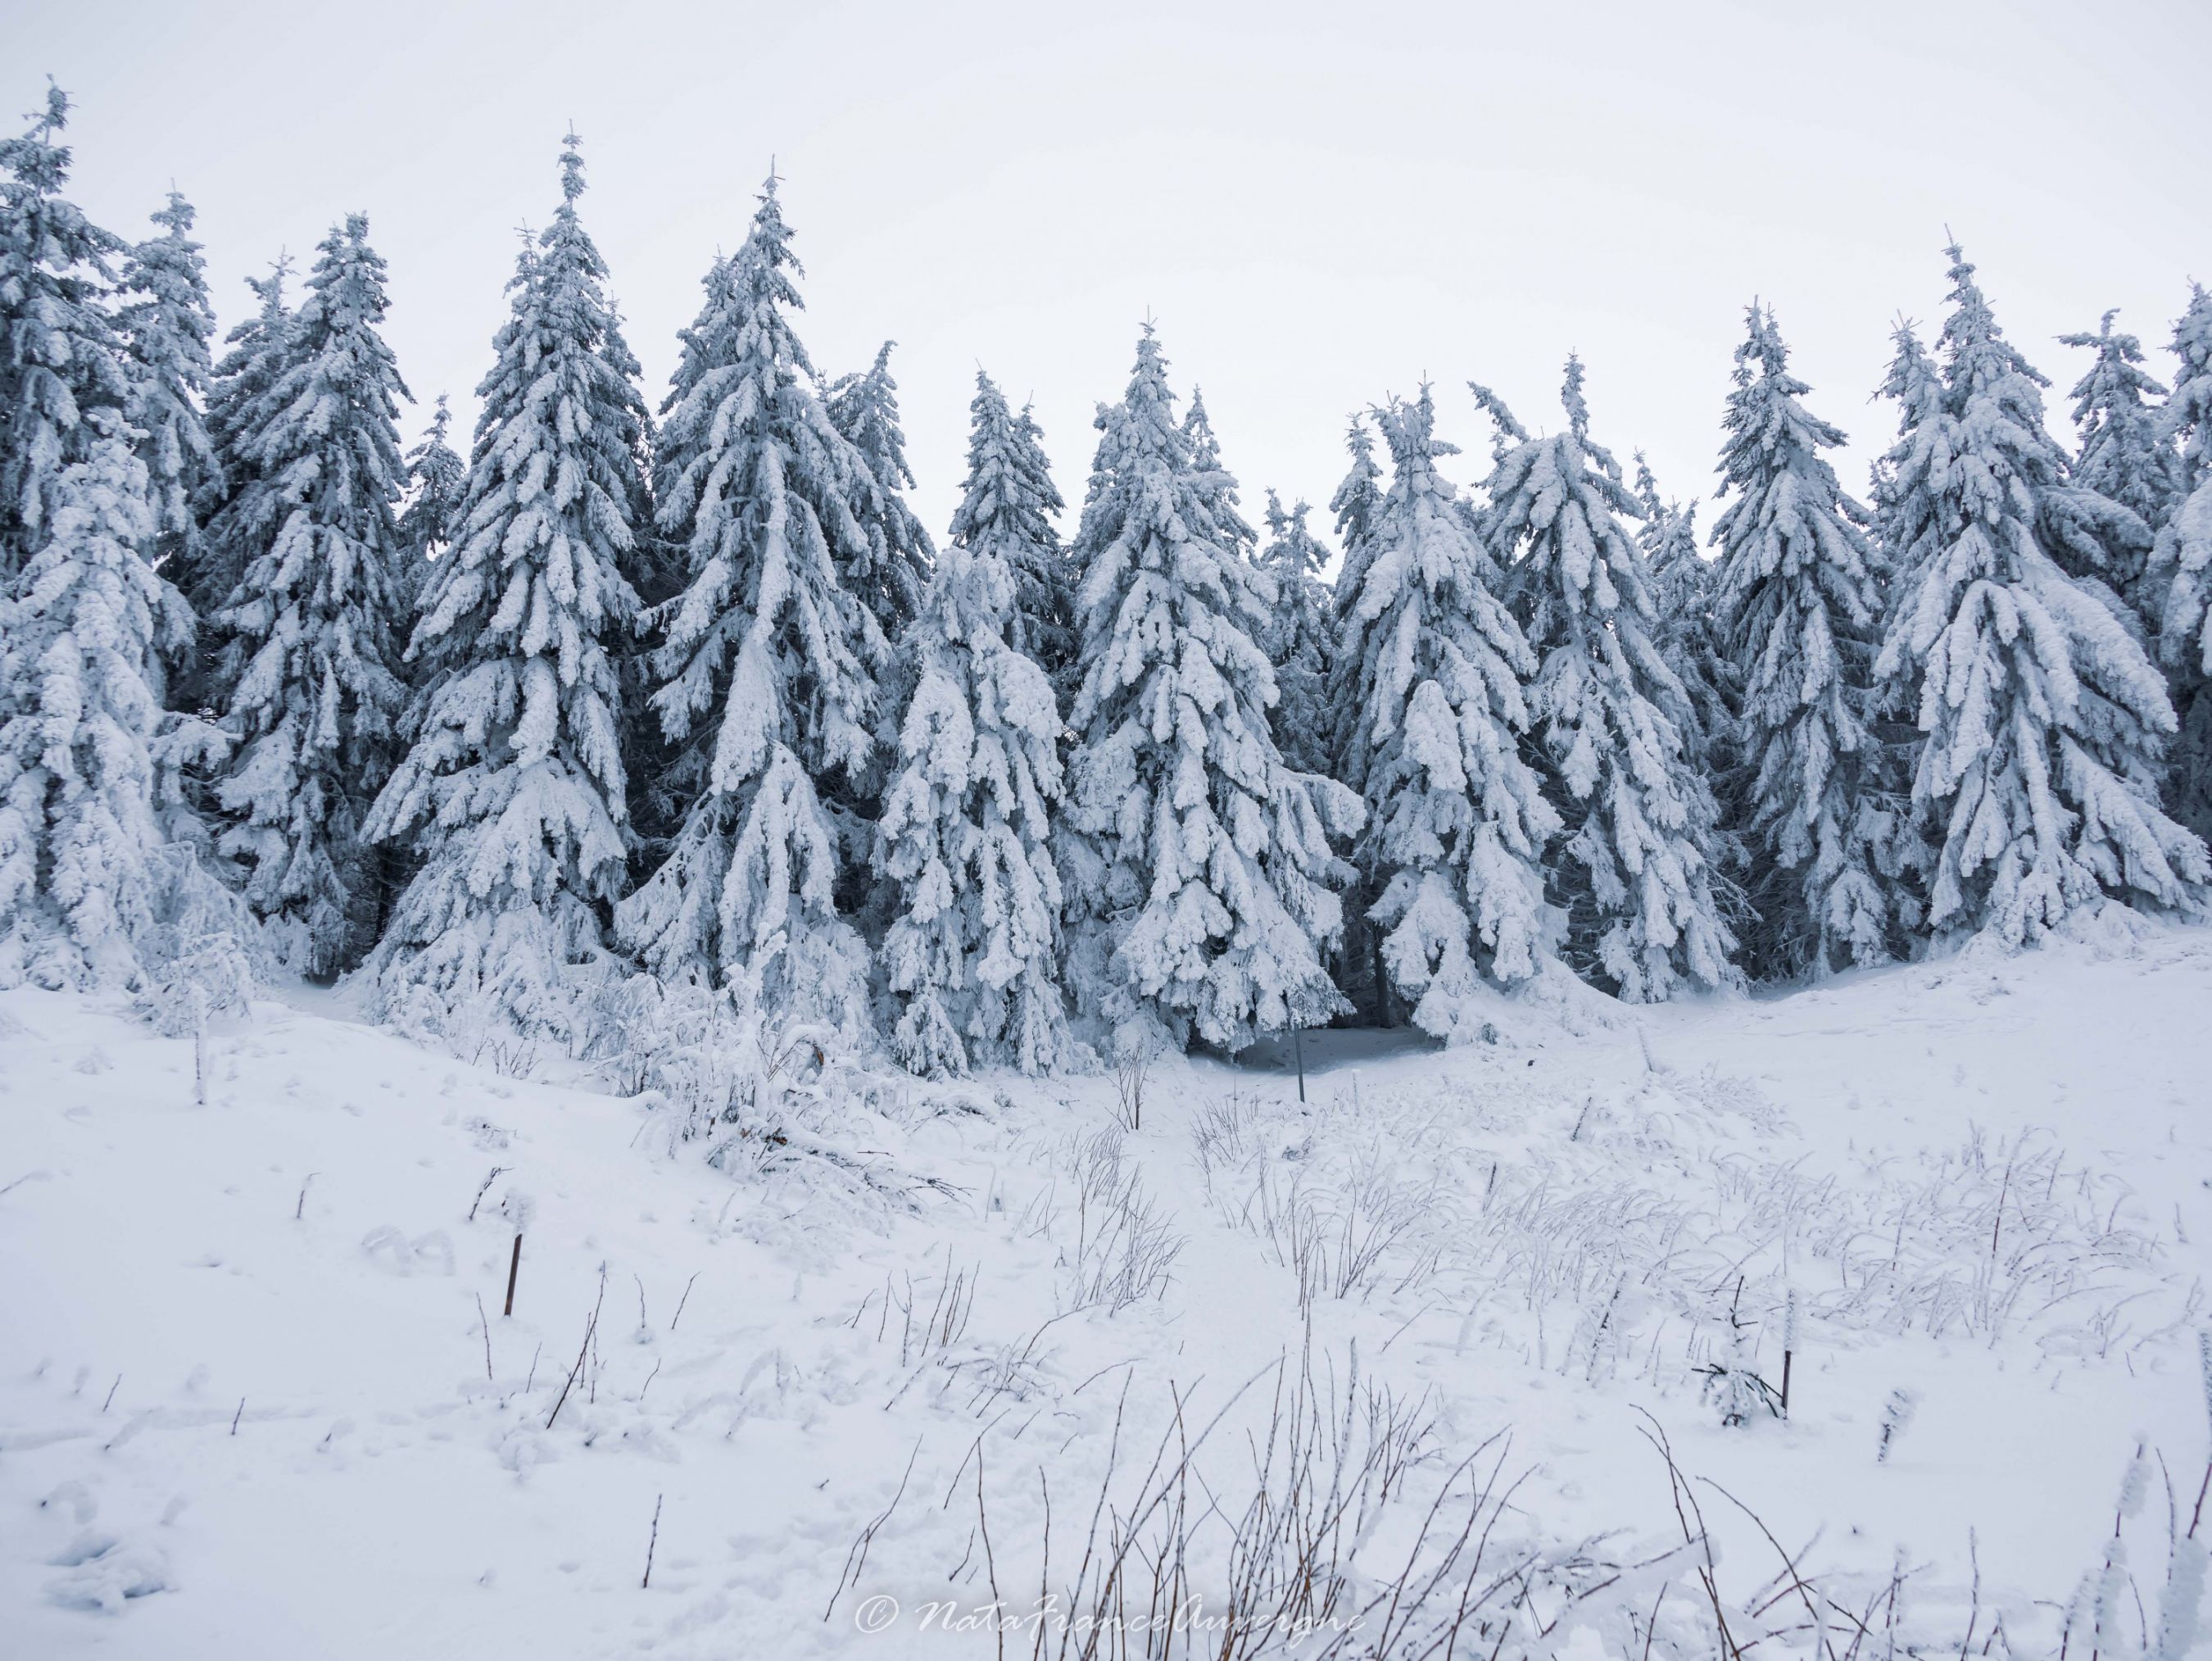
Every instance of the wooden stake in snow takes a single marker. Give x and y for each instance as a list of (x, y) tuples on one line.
[(652, 1542), (514, 1268), (1299, 1050)]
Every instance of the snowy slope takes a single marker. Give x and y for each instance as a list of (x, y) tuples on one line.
[(1985, 1181)]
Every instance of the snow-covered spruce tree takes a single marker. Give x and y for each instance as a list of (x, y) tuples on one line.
[(59, 355), (1196, 864), (2125, 455), (2043, 722), (1800, 620), (863, 407), (765, 658), (236, 509), (313, 700), (512, 794), (1215, 485), (1052, 583), (80, 640), (1359, 973), (1007, 508), (1353, 507), (1632, 871), (2178, 592), (972, 952), (2102, 513), (168, 321), (1686, 629), (1299, 639), (1456, 820), (436, 477)]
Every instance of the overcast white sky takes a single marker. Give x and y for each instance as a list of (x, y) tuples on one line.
[(1318, 204)]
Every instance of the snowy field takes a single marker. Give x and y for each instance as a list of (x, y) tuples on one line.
[(249, 1405)]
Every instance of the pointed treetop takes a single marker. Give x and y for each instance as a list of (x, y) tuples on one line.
[(1356, 494), (1571, 398), (2188, 413), (1647, 488), (175, 215), (35, 158), (2123, 455), (1975, 349), (1764, 354), (1912, 379), (571, 168)]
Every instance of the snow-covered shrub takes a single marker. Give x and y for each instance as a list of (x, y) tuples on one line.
[(1734, 1386), (755, 1095), (202, 954)]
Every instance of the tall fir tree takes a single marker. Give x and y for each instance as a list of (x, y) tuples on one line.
[(1197, 864), (235, 509), (168, 321), (1215, 484), (1436, 670), (1299, 638), (313, 698), (60, 357), (437, 479), (1686, 630), (1633, 871), (1799, 619), (1360, 971), (82, 638), (971, 955), (512, 795), (766, 659), (2122, 460), (1007, 508), (863, 407), (2178, 591), (2042, 721), (1353, 506), (1058, 578), (2125, 455)]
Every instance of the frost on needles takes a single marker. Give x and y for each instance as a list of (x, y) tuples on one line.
[(512, 794), (2043, 722), (1197, 865), (765, 661)]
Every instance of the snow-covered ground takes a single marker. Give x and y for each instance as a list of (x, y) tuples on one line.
[(249, 1406)]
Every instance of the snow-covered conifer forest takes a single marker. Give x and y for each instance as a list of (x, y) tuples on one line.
[(615, 1043)]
